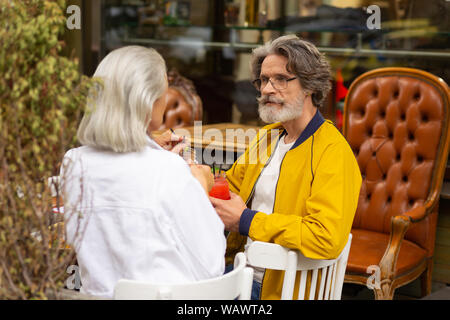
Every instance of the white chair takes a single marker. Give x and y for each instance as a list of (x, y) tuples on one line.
[(235, 284), (329, 283)]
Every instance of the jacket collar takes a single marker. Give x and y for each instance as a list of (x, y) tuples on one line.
[(310, 129)]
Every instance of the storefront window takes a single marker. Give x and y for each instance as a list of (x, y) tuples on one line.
[(211, 41)]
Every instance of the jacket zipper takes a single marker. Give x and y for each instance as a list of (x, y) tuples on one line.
[(278, 179), (257, 179), (273, 208), (253, 189)]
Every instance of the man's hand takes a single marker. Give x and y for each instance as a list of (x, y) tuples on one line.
[(229, 211)]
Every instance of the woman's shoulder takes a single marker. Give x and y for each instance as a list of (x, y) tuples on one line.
[(171, 172), (165, 156), (166, 163), (77, 151), (74, 154)]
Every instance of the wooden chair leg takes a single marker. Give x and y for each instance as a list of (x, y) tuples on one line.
[(425, 278), (386, 292)]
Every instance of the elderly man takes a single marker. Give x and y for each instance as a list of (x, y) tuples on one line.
[(298, 188)]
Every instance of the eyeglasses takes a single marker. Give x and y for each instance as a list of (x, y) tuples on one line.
[(278, 82)]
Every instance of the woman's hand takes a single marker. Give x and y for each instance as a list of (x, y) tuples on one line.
[(171, 142), (204, 175)]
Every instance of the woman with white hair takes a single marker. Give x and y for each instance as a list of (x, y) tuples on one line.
[(133, 209)]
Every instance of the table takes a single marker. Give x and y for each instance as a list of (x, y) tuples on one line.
[(224, 136), (219, 143)]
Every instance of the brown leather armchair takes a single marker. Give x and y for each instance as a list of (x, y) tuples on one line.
[(397, 123), (184, 106)]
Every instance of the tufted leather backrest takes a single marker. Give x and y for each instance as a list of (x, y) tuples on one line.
[(184, 106), (397, 124)]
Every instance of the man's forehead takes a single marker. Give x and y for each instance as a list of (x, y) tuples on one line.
[(275, 65)]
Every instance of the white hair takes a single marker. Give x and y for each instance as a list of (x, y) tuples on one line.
[(119, 111), (289, 111)]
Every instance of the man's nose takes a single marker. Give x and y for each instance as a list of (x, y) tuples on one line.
[(268, 88)]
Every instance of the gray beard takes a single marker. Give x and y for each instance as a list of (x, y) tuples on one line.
[(288, 111)]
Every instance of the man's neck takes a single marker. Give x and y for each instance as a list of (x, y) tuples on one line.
[(296, 126)]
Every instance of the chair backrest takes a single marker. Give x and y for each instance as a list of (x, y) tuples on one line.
[(232, 285), (184, 105), (396, 121), (324, 278)]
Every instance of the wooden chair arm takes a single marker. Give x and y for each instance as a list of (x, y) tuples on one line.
[(421, 212), (399, 226), (416, 214)]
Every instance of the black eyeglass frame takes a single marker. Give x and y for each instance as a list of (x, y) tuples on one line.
[(254, 82)]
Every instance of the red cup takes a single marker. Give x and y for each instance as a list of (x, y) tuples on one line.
[(220, 189)]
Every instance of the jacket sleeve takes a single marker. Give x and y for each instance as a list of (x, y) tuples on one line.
[(323, 231)]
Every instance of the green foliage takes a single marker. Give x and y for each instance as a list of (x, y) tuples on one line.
[(42, 96)]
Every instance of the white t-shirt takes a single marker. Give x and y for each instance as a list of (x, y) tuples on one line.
[(264, 195), (144, 217)]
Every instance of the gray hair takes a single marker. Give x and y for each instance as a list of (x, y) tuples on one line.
[(119, 111), (304, 60)]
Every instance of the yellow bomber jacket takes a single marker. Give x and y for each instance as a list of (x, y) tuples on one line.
[(316, 196)]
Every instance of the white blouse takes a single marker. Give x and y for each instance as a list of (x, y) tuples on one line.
[(139, 216)]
